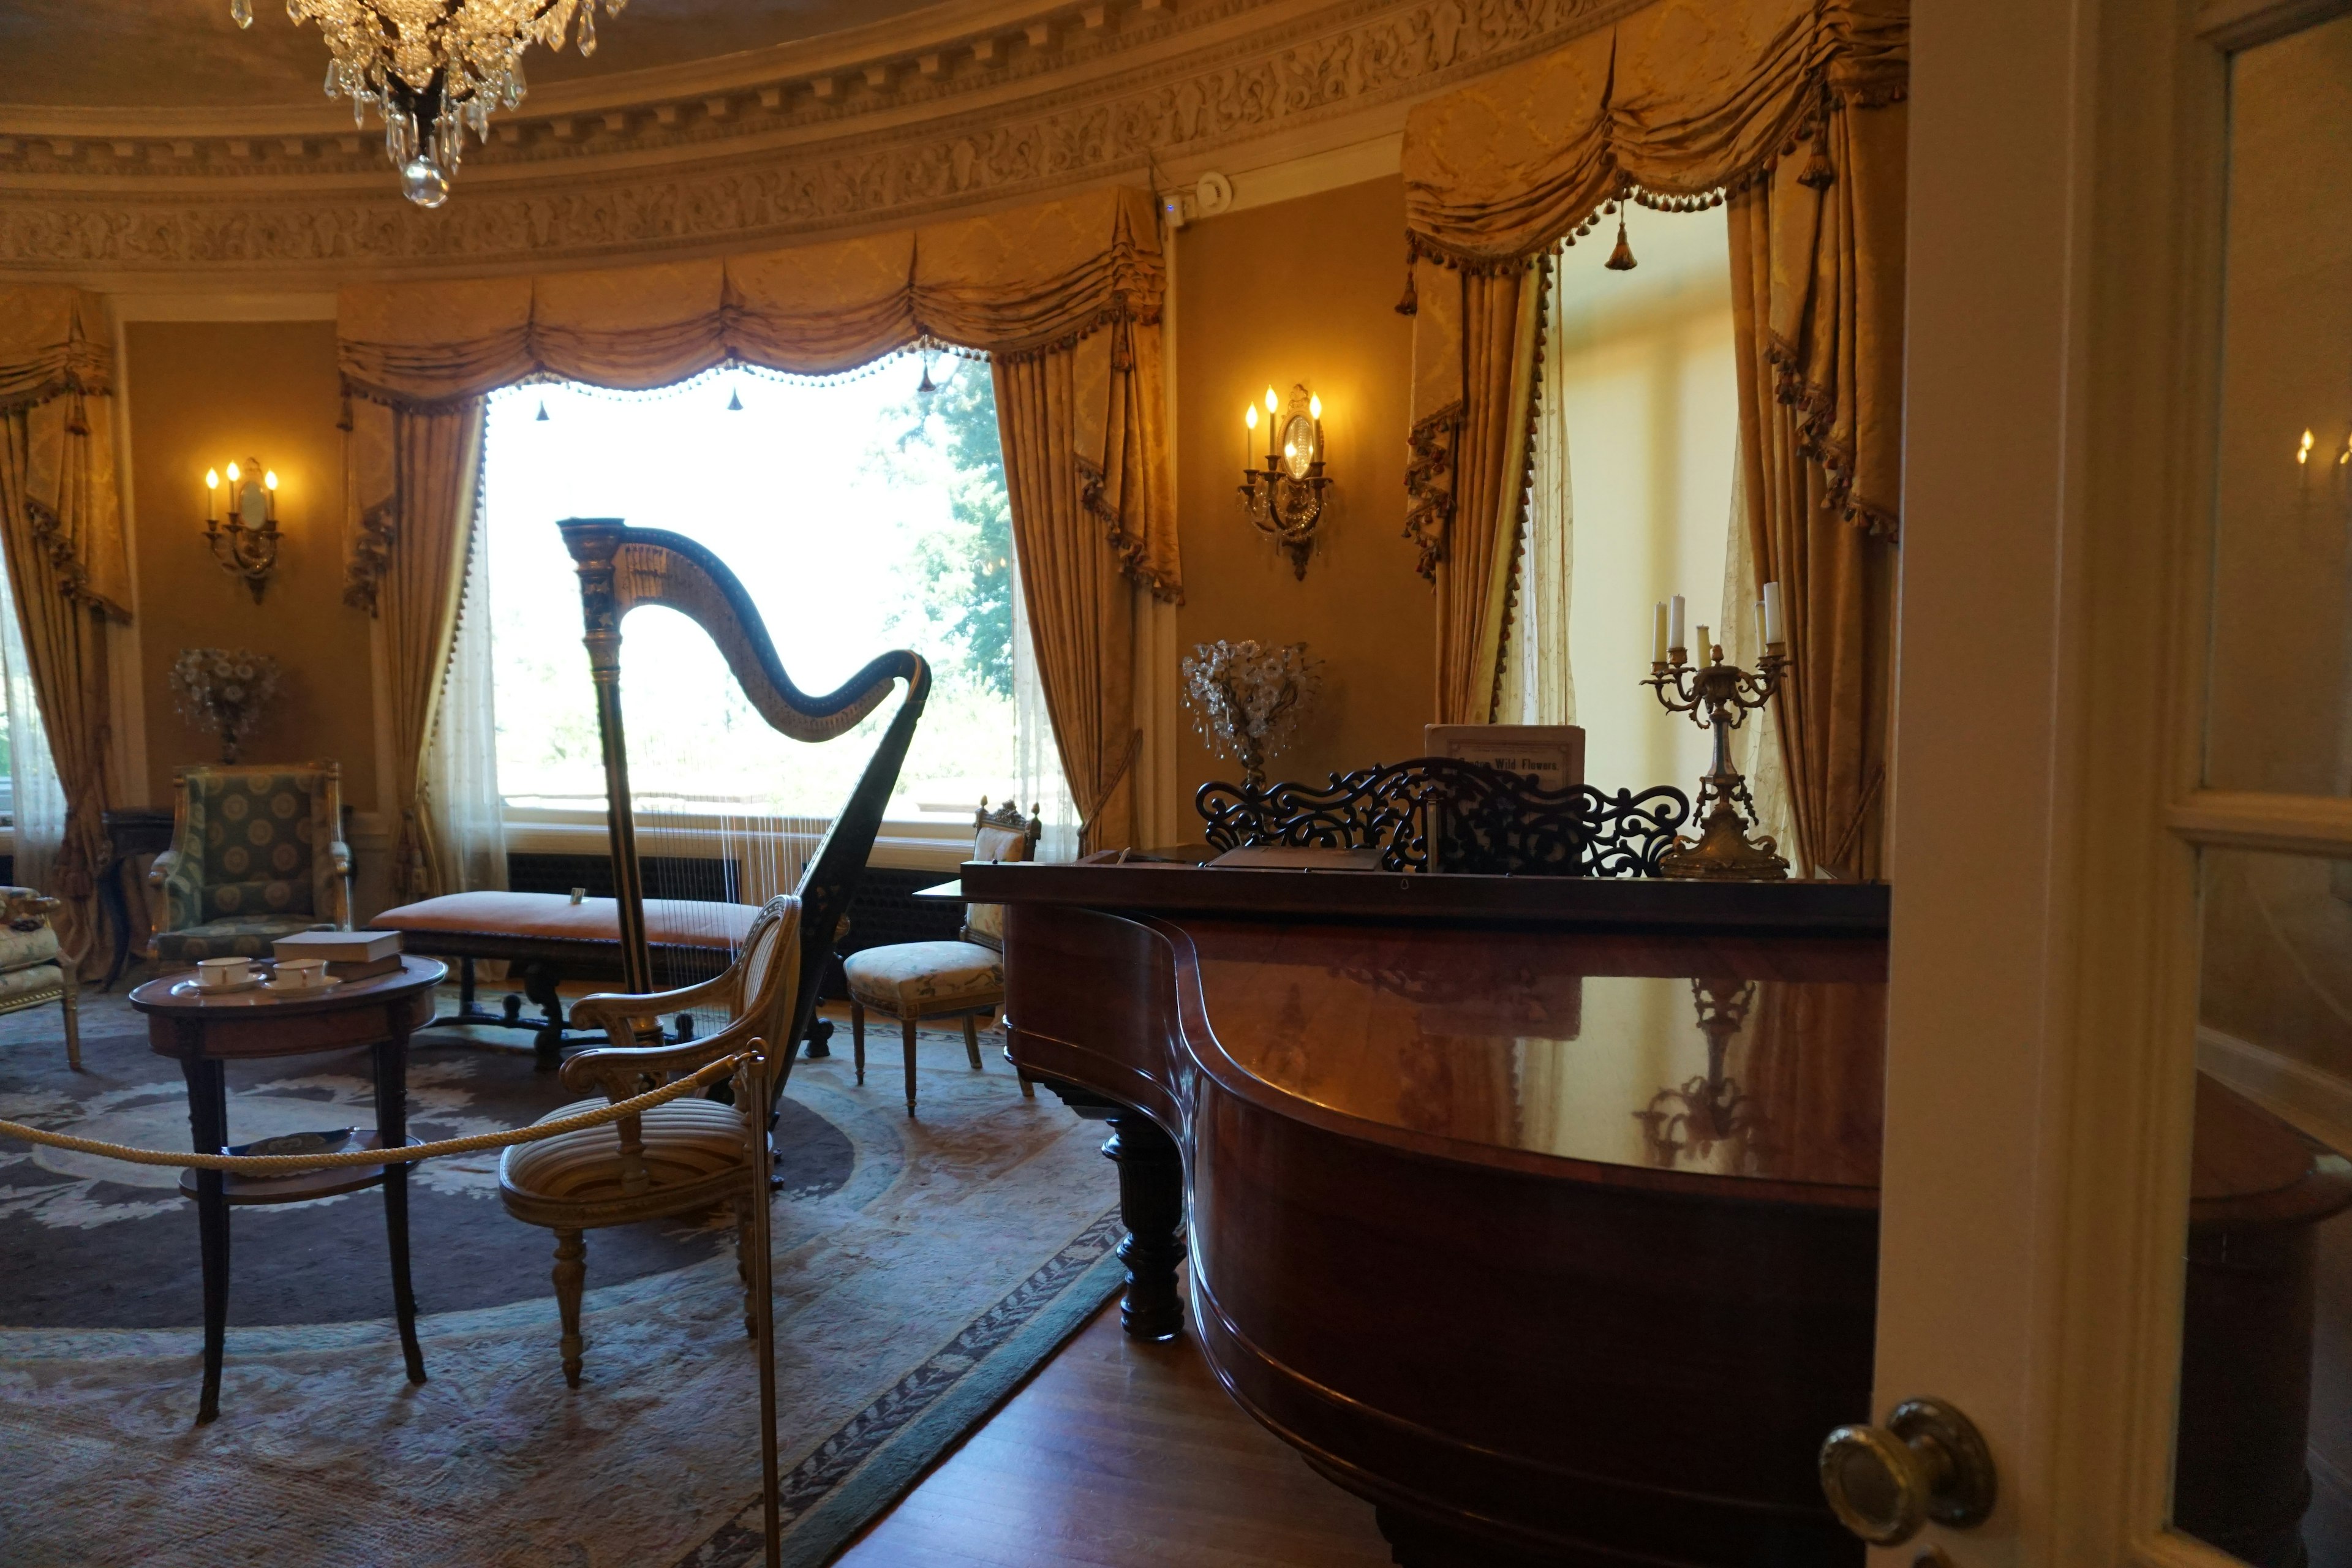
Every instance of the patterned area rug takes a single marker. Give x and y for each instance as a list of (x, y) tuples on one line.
[(922, 1270)]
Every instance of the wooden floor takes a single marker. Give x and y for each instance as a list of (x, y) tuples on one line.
[(1122, 1455)]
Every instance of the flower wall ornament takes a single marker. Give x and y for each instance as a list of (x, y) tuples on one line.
[(223, 692), (1246, 699)]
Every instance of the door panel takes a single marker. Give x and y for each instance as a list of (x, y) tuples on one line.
[(2263, 1462)]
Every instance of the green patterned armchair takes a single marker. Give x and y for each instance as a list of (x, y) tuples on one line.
[(256, 853)]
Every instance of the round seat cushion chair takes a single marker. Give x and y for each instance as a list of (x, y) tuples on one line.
[(914, 980), (692, 1159)]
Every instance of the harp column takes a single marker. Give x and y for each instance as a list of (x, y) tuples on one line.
[(592, 542)]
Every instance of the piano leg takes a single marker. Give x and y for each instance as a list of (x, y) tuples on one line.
[(1151, 1204)]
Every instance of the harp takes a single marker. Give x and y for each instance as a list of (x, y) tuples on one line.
[(621, 568)]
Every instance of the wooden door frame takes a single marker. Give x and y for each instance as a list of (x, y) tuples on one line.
[(2067, 177)]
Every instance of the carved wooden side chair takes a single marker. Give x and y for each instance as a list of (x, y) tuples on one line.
[(256, 853), (677, 1158), (911, 981), (33, 970)]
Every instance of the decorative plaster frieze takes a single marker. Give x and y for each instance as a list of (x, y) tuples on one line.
[(1333, 61)]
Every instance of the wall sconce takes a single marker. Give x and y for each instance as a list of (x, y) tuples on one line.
[(2320, 467), (248, 546), (1285, 499)]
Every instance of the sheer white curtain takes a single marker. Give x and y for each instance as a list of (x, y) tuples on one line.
[(1755, 744), (40, 798), (1040, 784), (461, 767), (1539, 686)]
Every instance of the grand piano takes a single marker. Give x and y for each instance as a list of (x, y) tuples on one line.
[(1542, 1211)]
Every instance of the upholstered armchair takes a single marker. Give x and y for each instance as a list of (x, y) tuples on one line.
[(256, 853), (33, 971), (676, 1158), (911, 980)]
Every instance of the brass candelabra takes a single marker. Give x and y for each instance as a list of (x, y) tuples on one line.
[(1718, 697)]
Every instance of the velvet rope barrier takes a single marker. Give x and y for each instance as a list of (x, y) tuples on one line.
[(287, 1165), (763, 1308)]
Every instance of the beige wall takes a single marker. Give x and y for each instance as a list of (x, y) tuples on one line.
[(201, 395), (1305, 290)]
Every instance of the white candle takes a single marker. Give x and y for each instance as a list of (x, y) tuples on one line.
[(1658, 635), (1704, 656), (1772, 612), (1674, 622)]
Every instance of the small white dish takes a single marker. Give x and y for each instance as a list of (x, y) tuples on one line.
[(287, 988), (198, 988)]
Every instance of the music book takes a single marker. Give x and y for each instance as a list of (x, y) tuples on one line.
[(1553, 755), (342, 947)]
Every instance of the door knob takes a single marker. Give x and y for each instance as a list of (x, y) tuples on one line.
[(1928, 1462)]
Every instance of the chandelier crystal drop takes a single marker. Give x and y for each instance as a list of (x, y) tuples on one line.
[(434, 70)]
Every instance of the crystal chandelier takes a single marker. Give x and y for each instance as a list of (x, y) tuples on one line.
[(433, 69)]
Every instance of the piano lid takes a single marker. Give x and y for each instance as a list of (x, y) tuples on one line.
[(1746, 1058)]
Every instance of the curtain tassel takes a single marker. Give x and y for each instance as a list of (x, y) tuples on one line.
[(76, 417), (1820, 172), (1622, 258), (1410, 305)]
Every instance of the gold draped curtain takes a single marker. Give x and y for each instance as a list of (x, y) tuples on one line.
[(1791, 111), (69, 573), (1063, 298)]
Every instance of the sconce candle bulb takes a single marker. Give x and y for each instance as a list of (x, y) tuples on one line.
[(1285, 499), (248, 546)]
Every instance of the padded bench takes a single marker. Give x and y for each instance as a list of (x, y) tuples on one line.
[(548, 938)]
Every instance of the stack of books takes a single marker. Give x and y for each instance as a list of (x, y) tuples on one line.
[(349, 954)]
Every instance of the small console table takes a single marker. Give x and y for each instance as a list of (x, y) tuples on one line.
[(203, 1029)]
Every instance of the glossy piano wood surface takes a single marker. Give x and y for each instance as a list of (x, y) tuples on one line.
[(1679, 1054), (1557, 1245), (1474, 1226)]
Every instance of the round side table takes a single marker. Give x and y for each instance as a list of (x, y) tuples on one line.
[(203, 1029)]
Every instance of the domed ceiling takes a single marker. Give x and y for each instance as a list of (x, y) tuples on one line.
[(140, 137), (174, 54)]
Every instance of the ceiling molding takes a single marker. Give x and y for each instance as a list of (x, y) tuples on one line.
[(1216, 76)]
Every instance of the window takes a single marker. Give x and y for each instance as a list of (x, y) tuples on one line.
[(862, 514), (1634, 499)]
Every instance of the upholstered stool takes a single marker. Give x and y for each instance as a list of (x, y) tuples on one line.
[(911, 981), (33, 970)]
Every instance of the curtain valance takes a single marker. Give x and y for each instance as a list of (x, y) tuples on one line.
[(56, 352), (1677, 100), (53, 342), (1008, 284), (1040, 279)]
